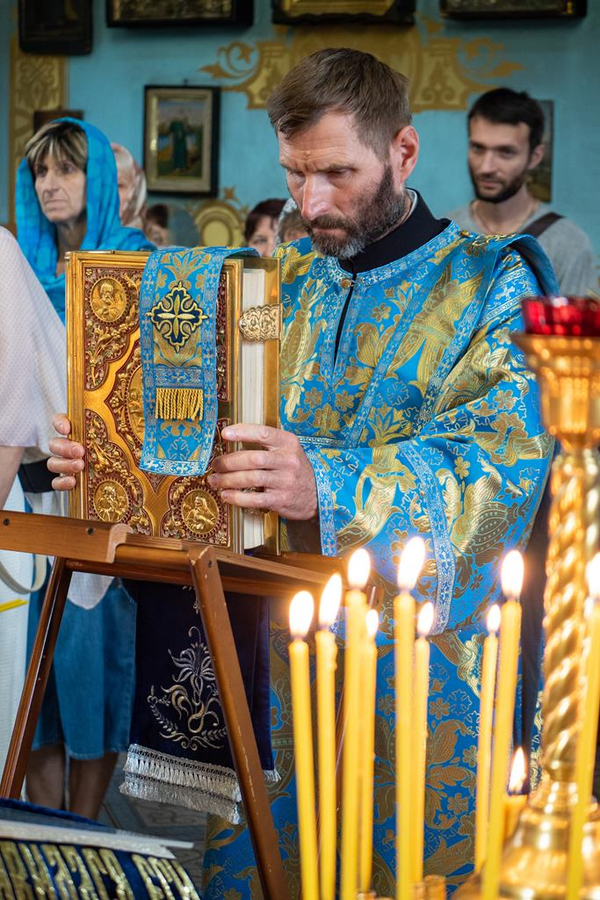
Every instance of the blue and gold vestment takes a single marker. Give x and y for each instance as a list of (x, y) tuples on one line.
[(425, 421)]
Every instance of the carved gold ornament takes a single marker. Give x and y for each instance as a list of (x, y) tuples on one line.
[(110, 501), (108, 300)]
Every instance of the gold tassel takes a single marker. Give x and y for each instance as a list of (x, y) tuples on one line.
[(179, 403)]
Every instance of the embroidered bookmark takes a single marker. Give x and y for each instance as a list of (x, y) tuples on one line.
[(178, 311)]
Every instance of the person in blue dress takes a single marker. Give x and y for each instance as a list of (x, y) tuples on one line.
[(67, 199)]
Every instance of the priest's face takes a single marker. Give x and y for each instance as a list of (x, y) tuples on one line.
[(348, 195), (500, 158)]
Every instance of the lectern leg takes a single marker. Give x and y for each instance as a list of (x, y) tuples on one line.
[(217, 627), (36, 680)]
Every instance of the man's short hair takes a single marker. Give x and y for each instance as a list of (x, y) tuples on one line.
[(346, 81), (503, 106), (60, 140)]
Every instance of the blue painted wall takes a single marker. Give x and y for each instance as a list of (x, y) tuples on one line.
[(560, 61)]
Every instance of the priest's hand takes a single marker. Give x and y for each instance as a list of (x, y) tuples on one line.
[(67, 461), (276, 477)]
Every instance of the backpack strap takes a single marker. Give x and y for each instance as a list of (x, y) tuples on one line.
[(538, 226)]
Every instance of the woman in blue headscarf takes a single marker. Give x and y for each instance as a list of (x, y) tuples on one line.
[(67, 199)]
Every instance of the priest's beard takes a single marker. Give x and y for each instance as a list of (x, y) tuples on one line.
[(506, 189), (374, 216)]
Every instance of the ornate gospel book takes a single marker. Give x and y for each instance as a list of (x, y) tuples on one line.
[(105, 394)]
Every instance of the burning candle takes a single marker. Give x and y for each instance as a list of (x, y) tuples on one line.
[(326, 665), (301, 613), (586, 747), (411, 563), (515, 799), (484, 743), (510, 630), (421, 696), (356, 605), (369, 679)]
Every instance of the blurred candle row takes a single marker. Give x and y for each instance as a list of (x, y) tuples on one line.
[(497, 809)]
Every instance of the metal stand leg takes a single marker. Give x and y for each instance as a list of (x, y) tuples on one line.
[(217, 627), (36, 680)]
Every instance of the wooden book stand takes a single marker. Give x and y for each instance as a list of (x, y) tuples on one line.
[(82, 546)]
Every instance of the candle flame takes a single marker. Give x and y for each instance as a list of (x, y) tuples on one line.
[(301, 613), (359, 566), (512, 575), (493, 618), (330, 601), (517, 772), (411, 563), (425, 619), (593, 577), (372, 622)]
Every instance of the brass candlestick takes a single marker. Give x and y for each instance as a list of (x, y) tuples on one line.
[(534, 858)]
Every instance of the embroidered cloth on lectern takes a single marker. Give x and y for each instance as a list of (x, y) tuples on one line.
[(178, 310)]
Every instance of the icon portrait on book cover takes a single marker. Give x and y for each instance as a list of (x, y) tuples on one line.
[(108, 300), (200, 512), (110, 501)]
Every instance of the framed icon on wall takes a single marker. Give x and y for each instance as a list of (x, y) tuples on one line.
[(63, 27), (181, 139), (153, 13), (513, 9), (292, 12)]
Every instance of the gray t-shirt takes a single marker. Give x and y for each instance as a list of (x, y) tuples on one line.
[(567, 247)]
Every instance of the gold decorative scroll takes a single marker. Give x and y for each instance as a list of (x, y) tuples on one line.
[(443, 72)]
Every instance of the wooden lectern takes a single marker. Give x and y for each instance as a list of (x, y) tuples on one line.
[(84, 546)]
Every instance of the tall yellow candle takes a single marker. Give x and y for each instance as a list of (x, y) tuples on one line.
[(586, 748), (484, 742), (326, 665), (421, 696), (410, 566), (356, 604), (369, 681), (301, 613), (510, 630), (515, 800)]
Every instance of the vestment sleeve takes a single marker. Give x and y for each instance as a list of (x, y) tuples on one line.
[(32, 353), (468, 480)]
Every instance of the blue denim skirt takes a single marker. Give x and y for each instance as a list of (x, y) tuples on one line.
[(88, 702)]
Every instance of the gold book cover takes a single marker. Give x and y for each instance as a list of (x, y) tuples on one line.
[(106, 403)]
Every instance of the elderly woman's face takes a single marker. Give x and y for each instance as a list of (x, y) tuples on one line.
[(264, 236), (60, 188)]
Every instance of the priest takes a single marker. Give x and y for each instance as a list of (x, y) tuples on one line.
[(405, 410)]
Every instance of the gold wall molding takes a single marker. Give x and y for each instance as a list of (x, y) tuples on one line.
[(36, 82), (443, 71), (220, 223)]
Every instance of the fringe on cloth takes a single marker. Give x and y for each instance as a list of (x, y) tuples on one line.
[(150, 775), (179, 403)]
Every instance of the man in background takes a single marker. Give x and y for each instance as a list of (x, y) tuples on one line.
[(505, 144)]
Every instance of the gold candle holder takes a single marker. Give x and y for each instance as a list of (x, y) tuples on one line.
[(534, 858)]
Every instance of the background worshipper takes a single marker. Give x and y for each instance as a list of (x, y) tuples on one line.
[(131, 180), (290, 226), (505, 144), (506, 128), (405, 409), (169, 225), (260, 228), (67, 199), (32, 357)]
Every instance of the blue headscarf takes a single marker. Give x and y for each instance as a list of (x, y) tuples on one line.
[(37, 235)]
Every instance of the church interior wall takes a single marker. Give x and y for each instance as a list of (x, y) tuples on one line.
[(449, 62)]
